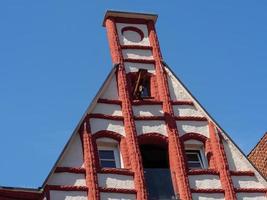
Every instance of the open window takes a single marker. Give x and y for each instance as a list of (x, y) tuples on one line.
[(141, 85), (195, 155), (155, 160), (108, 152)]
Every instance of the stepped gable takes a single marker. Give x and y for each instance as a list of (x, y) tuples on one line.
[(145, 136), (258, 155)]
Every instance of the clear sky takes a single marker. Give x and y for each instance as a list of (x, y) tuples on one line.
[(54, 56)]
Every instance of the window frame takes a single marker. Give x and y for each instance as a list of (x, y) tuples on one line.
[(142, 78), (197, 146), (199, 156), (108, 144)]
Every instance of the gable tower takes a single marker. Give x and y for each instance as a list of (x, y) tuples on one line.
[(145, 136)]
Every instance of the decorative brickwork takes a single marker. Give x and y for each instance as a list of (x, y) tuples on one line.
[(176, 155), (221, 163), (131, 135), (90, 163)]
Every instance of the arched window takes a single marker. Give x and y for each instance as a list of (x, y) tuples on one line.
[(155, 159), (108, 152)]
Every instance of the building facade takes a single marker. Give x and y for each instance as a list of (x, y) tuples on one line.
[(145, 136), (258, 156)]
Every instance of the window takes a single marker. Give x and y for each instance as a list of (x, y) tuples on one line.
[(142, 85), (108, 152), (194, 160), (107, 158), (157, 173), (194, 151)]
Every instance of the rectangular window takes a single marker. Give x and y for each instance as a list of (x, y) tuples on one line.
[(107, 158), (142, 85), (194, 159)]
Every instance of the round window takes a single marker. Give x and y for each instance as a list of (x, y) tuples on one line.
[(132, 34)]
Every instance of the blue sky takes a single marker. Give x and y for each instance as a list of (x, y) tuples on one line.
[(54, 56)]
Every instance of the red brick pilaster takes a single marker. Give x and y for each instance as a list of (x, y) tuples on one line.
[(129, 124), (177, 164), (221, 163), (89, 163)]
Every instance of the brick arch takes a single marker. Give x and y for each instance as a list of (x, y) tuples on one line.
[(206, 144), (108, 134), (153, 138), (115, 136), (194, 136)]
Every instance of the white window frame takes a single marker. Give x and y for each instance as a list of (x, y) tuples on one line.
[(195, 145), (112, 145)]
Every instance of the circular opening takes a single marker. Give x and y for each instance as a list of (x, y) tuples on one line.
[(132, 34)]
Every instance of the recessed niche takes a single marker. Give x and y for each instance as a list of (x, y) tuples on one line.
[(132, 34)]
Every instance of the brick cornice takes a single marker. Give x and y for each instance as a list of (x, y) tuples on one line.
[(181, 103), (119, 171), (207, 190), (104, 116), (146, 102), (70, 170), (67, 188), (109, 101), (203, 172), (117, 190), (136, 47), (242, 173), (145, 61), (251, 190), (190, 118)]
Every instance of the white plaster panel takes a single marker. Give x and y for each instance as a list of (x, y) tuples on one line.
[(177, 92), (73, 156), (150, 126), (116, 196), (67, 179), (187, 110), (246, 182), (193, 126), (203, 196), (108, 109), (148, 110), (111, 90), (236, 161), (134, 67), (105, 124), (68, 195), (137, 54), (251, 196), (115, 181), (205, 182), (124, 41)]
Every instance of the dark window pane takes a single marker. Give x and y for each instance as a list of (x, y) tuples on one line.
[(145, 89), (159, 184), (106, 154), (105, 163), (192, 157), (194, 165)]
